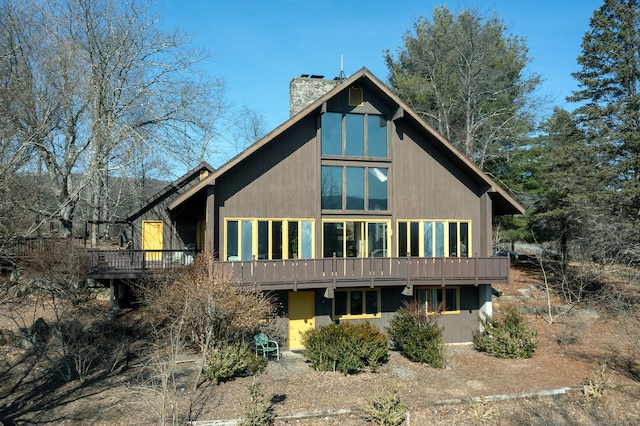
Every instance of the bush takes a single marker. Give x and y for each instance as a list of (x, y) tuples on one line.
[(204, 297), (232, 360), (508, 337), (256, 412), (346, 347), (418, 336), (386, 410)]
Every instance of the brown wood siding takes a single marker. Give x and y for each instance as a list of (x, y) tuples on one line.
[(278, 182), (426, 185), (173, 238)]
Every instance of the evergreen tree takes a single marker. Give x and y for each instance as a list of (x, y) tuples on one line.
[(609, 114), (465, 75), (565, 178)]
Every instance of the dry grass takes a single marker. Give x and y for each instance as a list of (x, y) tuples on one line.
[(30, 393)]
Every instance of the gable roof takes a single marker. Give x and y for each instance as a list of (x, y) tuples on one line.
[(175, 185), (503, 202)]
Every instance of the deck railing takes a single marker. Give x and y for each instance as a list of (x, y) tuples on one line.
[(300, 273)]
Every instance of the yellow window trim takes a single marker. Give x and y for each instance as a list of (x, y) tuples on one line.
[(421, 226), (444, 288), (360, 316), (365, 221), (254, 233)]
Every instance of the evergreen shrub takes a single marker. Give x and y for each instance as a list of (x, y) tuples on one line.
[(418, 336), (346, 347), (506, 337), (232, 360)]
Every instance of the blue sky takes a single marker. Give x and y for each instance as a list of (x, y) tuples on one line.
[(258, 46)]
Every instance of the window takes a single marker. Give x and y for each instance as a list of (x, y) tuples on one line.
[(354, 135), (355, 96), (439, 300), (354, 188), (263, 239), (356, 303), (355, 239), (434, 238)]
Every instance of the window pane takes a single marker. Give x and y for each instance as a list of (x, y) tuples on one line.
[(377, 136), (263, 240), (276, 239), (340, 303), (331, 131), (372, 302), (355, 134), (439, 239), (452, 300), (435, 304), (422, 296), (415, 239), (464, 239), (331, 187), (356, 302), (402, 239), (378, 189), (353, 239), (307, 237), (428, 239), (355, 188), (247, 240), (377, 239), (332, 239), (453, 239), (292, 245), (232, 240)]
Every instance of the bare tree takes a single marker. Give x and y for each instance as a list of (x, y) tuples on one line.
[(102, 86), (249, 128)]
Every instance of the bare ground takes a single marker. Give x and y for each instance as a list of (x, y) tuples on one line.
[(32, 392)]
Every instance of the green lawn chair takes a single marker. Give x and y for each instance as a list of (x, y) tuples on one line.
[(265, 347)]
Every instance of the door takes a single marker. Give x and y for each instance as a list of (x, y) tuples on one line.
[(301, 316), (152, 239)]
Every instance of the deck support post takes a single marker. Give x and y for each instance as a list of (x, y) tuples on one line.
[(114, 301)]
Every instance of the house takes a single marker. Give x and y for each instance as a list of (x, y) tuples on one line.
[(344, 212)]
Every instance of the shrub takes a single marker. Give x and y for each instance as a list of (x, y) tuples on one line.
[(232, 360), (418, 336), (204, 297), (256, 412), (385, 409), (507, 337), (346, 347)]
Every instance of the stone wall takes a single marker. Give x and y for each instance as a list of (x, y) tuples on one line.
[(304, 90)]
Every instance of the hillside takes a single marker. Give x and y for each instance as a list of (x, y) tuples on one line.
[(589, 346)]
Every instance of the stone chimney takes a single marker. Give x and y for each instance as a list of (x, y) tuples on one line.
[(307, 88)]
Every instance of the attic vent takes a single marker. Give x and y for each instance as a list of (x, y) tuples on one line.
[(204, 174), (355, 96)]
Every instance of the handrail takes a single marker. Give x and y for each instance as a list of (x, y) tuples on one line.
[(324, 271)]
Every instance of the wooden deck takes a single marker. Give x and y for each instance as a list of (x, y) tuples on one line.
[(297, 274)]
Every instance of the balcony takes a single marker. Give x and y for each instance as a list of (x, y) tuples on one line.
[(299, 274)]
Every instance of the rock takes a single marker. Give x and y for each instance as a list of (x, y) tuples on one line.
[(7, 337), (37, 334)]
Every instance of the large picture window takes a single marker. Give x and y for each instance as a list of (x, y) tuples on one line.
[(355, 238), (439, 300), (437, 238), (354, 135), (263, 239), (354, 188), (356, 303)]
